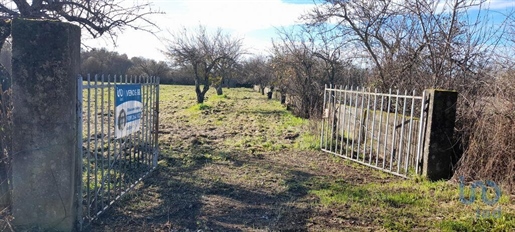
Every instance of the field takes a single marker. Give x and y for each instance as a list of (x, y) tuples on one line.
[(241, 162)]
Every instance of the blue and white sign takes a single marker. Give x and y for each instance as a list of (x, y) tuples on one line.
[(128, 109)]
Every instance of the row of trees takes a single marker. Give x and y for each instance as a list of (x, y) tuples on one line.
[(299, 66)]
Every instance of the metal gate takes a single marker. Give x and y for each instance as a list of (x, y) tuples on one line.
[(113, 165), (381, 130)]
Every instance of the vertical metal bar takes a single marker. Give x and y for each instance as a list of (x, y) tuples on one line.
[(392, 152), (144, 127), (387, 125), (121, 160), (147, 125), (332, 115), (410, 131), (379, 133), (156, 129), (339, 117), (329, 120), (374, 109), (328, 128), (129, 147), (366, 128), (323, 120), (401, 139), (150, 123), (149, 120), (335, 119), (135, 140), (140, 125), (127, 150), (360, 120), (343, 106), (130, 141), (349, 119), (109, 139), (143, 142), (80, 151), (143, 121), (102, 135), (88, 147), (354, 120), (420, 133), (96, 143), (116, 152)]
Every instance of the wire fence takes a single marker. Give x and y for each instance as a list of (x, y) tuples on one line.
[(112, 164), (380, 130)]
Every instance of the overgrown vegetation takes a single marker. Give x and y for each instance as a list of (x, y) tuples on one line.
[(245, 163), (490, 150)]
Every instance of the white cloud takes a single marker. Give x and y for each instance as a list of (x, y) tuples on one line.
[(239, 17), (500, 4)]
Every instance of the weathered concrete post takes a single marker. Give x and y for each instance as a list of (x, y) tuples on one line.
[(438, 144), (46, 59)]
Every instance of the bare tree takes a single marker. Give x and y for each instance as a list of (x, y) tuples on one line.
[(225, 70), (295, 52), (305, 59), (203, 52), (97, 17)]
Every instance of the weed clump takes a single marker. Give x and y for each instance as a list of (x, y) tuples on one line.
[(200, 107)]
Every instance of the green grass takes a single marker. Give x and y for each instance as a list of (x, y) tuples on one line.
[(406, 204), (199, 107)]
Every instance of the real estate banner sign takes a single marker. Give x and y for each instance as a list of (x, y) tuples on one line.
[(128, 109)]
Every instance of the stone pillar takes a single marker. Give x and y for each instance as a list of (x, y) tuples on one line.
[(46, 59), (438, 145)]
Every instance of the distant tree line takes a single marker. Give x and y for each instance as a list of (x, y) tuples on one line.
[(102, 61)]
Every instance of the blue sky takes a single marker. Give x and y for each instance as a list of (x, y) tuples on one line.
[(253, 20)]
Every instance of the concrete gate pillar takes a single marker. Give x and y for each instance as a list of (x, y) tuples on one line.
[(45, 173), (438, 145)]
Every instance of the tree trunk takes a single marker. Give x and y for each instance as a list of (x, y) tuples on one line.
[(262, 89), (200, 93), (219, 90), (270, 93), (200, 97), (283, 98)]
